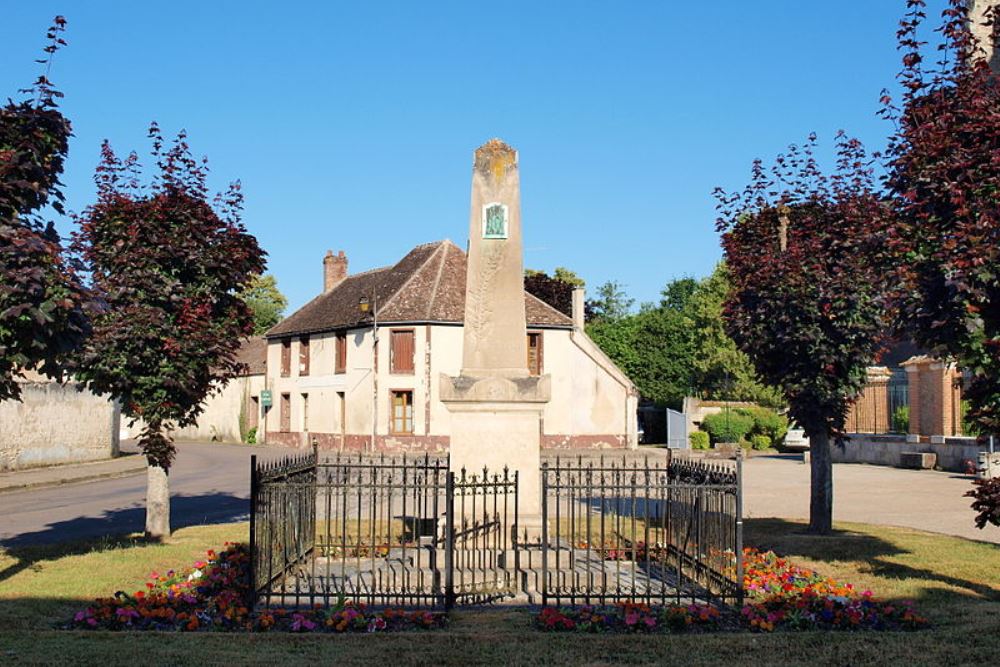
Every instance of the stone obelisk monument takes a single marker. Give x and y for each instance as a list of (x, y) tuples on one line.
[(495, 404)]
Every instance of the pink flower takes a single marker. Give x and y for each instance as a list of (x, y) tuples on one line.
[(300, 623)]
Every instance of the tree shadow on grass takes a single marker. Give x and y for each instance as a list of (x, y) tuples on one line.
[(789, 538), (116, 529)]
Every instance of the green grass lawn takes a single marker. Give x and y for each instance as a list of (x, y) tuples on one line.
[(955, 582)]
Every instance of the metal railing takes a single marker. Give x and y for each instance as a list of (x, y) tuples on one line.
[(282, 513), (402, 531), (407, 531), (653, 531)]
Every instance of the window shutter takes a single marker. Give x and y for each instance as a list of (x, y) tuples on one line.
[(286, 357), (341, 361), (402, 351)]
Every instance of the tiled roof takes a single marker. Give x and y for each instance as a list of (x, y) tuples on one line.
[(427, 285), (253, 353)]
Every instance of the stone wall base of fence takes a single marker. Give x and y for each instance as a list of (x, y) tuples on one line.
[(952, 454)]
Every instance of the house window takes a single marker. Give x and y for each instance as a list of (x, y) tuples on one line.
[(535, 353), (340, 364), (304, 355), (402, 413), (305, 412), (286, 357), (286, 413), (401, 354)]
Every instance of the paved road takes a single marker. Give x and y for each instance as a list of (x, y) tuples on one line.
[(778, 486), (209, 483)]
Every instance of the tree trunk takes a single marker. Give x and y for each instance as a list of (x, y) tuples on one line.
[(821, 495), (157, 503)]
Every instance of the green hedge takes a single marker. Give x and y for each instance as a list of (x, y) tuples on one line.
[(699, 440), (766, 422), (732, 427), (760, 442), (969, 427)]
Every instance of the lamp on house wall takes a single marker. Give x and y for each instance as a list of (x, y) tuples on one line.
[(365, 305)]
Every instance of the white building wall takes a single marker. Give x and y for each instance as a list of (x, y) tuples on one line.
[(55, 424), (220, 420), (593, 404)]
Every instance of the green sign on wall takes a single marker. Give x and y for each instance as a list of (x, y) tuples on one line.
[(265, 398)]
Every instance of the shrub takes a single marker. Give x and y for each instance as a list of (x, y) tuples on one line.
[(901, 419), (699, 440), (766, 422), (969, 427), (731, 427), (251, 438), (986, 493), (760, 442)]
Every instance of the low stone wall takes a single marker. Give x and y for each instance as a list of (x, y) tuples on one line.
[(55, 424), (954, 454)]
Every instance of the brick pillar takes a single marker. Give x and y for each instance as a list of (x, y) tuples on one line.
[(945, 380), (914, 368), (935, 398)]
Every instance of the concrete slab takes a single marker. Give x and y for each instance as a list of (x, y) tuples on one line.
[(778, 486)]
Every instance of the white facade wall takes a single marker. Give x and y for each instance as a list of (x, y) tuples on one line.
[(56, 424), (220, 420), (593, 403)]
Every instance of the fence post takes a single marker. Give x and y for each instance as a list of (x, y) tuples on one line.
[(449, 542), (252, 601), (517, 526), (545, 532), (739, 531)]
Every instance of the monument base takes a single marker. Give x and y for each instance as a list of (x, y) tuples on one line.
[(495, 424)]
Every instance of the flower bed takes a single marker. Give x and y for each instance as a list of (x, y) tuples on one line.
[(212, 596), (786, 596), (630, 617), (781, 596)]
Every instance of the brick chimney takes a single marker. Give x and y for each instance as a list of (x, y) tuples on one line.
[(334, 269), (579, 307)]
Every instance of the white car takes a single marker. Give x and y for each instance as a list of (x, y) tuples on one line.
[(796, 438)]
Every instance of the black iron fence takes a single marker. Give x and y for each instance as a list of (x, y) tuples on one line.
[(652, 530), (282, 515), (407, 531), (382, 531)]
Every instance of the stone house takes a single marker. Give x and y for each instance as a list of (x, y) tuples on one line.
[(234, 410), (230, 412), (405, 321)]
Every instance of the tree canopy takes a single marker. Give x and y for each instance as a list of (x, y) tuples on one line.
[(43, 306), (806, 254), (168, 265), (265, 301), (610, 303), (680, 348), (943, 180)]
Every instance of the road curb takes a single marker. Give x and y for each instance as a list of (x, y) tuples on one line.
[(136, 469)]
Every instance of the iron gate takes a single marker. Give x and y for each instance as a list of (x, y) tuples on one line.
[(654, 531), (381, 531)]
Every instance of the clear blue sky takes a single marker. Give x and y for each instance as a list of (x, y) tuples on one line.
[(352, 125)]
